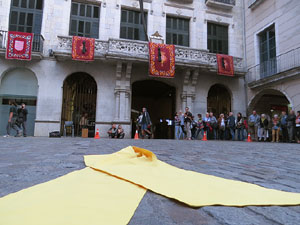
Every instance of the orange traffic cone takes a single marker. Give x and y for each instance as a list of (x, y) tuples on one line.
[(249, 138), (97, 136), (136, 136), (204, 137)]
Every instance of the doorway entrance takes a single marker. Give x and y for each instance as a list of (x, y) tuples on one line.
[(218, 100), (159, 99), (79, 100)]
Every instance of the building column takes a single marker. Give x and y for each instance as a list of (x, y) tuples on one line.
[(122, 92), (189, 88)]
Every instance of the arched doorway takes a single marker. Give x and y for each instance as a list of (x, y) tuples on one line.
[(79, 98), (19, 85), (269, 102), (218, 100), (159, 99)]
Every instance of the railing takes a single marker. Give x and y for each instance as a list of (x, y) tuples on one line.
[(230, 2), (138, 50), (281, 63), (37, 42)]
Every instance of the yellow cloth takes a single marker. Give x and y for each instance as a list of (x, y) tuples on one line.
[(141, 166), (84, 197)]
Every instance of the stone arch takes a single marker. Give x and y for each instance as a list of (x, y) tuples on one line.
[(219, 99), (19, 85), (79, 99), (269, 101)]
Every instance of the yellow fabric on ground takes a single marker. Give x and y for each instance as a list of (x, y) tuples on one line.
[(141, 166), (84, 197)]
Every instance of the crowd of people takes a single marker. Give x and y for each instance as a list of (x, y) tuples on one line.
[(284, 128), (17, 119)]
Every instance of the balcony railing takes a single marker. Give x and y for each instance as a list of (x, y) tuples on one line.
[(138, 51), (37, 43), (282, 63), (229, 2)]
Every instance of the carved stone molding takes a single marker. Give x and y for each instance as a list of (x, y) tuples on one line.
[(131, 50)]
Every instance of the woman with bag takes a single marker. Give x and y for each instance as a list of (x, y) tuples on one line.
[(240, 127)]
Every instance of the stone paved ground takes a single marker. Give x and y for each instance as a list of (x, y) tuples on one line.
[(25, 162)]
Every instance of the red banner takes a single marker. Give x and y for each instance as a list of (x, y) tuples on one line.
[(225, 65), (161, 60), (83, 48), (19, 45)]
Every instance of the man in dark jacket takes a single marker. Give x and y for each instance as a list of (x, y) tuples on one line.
[(12, 120), (22, 118), (291, 123), (231, 125)]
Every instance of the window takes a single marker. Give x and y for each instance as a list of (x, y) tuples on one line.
[(26, 16), (132, 26), (178, 30), (267, 49), (84, 20), (217, 38)]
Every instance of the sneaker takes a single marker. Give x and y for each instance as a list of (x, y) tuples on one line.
[(6, 136)]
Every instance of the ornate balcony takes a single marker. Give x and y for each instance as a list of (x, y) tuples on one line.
[(138, 51), (37, 44), (222, 4)]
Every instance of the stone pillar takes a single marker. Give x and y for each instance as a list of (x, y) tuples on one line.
[(189, 89)]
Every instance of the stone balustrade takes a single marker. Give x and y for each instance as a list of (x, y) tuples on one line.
[(138, 51)]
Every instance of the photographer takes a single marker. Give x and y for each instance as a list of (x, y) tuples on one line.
[(22, 118)]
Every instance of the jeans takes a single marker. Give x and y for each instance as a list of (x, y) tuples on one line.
[(198, 132), (12, 125), (232, 132), (240, 132), (291, 131), (285, 137), (23, 124), (188, 130), (178, 132)]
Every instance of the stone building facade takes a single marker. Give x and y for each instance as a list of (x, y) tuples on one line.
[(272, 33), (114, 87)]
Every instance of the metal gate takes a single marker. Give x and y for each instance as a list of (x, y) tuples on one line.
[(79, 100)]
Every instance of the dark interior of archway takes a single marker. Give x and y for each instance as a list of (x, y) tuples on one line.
[(270, 102), (218, 100), (79, 97), (159, 99)]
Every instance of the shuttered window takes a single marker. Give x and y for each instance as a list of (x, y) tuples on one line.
[(131, 25), (26, 16), (217, 38), (178, 31), (84, 20)]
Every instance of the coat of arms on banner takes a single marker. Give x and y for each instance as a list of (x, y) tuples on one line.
[(225, 65), (83, 48), (19, 45), (161, 60)]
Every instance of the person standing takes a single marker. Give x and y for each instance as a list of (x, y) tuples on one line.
[(231, 125), (214, 125), (240, 127), (200, 127), (181, 117), (283, 124), (264, 123), (298, 127), (275, 128), (253, 125), (12, 120), (145, 123), (291, 123), (187, 123), (222, 126), (178, 131), (22, 118)]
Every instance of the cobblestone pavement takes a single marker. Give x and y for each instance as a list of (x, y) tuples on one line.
[(25, 162)]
